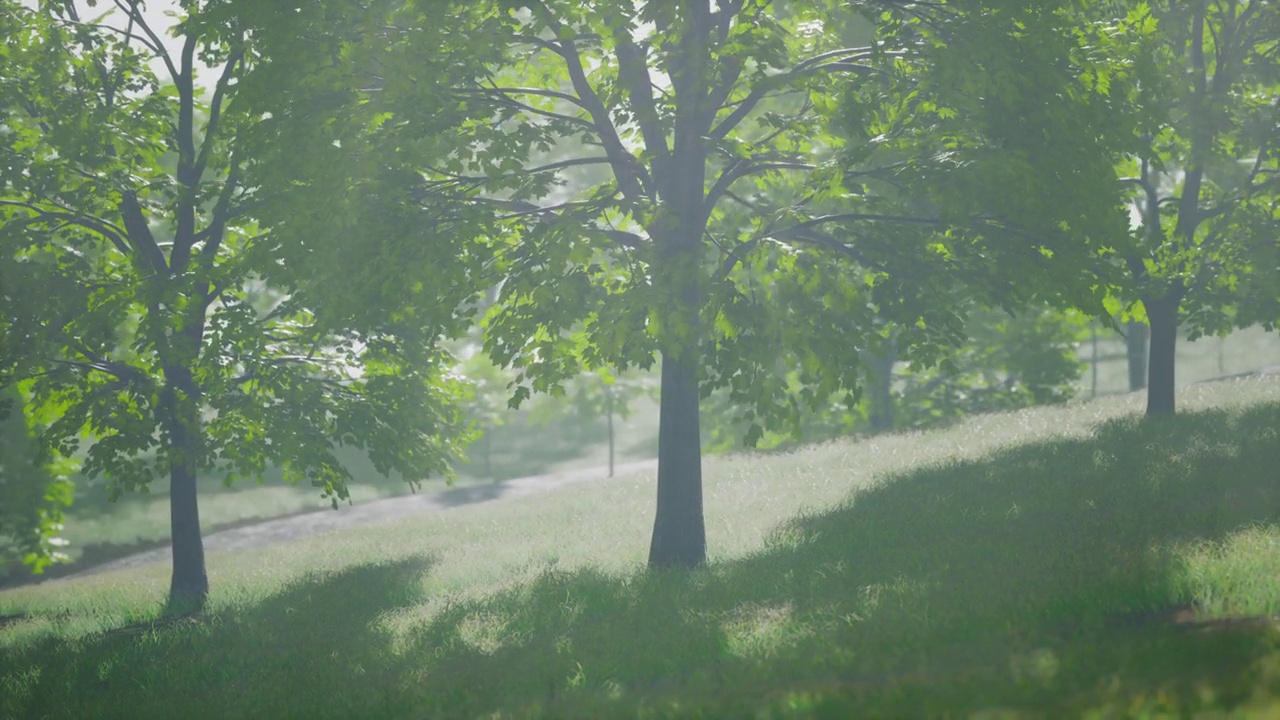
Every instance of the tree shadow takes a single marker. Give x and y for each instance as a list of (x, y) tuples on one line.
[(1030, 576), (466, 495), (1011, 581), (315, 649)]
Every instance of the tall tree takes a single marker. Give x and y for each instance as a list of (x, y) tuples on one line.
[(712, 244), (131, 202), (1207, 173), (1180, 98), (737, 239)]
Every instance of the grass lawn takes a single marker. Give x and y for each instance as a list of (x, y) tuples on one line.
[(1068, 561), (100, 530)]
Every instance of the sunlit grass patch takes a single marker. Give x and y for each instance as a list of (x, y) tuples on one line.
[(1238, 575), (1008, 565)]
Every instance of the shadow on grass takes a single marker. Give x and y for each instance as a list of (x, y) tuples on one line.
[(312, 650), (1017, 581)]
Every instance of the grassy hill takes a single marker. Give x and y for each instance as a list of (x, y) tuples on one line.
[(1068, 561)]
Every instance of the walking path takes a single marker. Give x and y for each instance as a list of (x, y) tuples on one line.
[(374, 511)]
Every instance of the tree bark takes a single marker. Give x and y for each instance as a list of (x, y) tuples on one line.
[(1135, 336), (679, 534), (1163, 315), (608, 394), (880, 384), (189, 586)]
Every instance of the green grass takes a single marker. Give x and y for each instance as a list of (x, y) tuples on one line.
[(1014, 565), (99, 530)]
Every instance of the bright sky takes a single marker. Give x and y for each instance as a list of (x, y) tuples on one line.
[(157, 15)]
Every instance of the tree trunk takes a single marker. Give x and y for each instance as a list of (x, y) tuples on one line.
[(1093, 359), (679, 535), (1135, 336), (1163, 315), (189, 587), (608, 394), (880, 384)]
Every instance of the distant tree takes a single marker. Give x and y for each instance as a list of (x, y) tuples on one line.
[(595, 398), (737, 239), (1007, 362), (145, 215), (487, 405), (1181, 99), (706, 245)]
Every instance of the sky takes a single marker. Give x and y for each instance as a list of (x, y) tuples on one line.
[(157, 15)]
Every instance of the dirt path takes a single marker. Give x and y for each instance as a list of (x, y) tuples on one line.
[(374, 511)]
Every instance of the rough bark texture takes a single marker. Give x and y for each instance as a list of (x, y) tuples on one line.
[(1163, 315), (189, 586), (679, 535), (1136, 334)]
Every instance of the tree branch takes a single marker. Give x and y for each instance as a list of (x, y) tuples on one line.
[(540, 92), (188, 175), (106, 229), (526, 107), (103, 26), (741, 169), (874, 217), (157, 46), (121, 371), (723, 87), (633, 74), (549, 167), (631, 175), (215, 109), (527, 209), (758, 93), (140, 237)]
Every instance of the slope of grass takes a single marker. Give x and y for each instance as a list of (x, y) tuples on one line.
[(1060, 561), (99, 529)]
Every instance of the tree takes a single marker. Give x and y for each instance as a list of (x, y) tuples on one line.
[(1207, 173), (1006, 362), (144, 217), (594, 395), (706, 246), (739, 241)]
